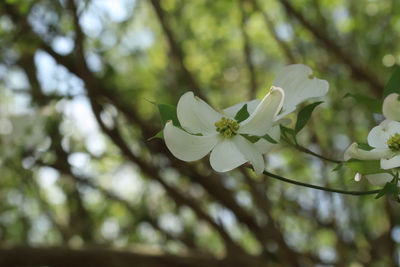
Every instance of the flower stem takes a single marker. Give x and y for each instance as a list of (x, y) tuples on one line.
[(306, 150), (345, 192)]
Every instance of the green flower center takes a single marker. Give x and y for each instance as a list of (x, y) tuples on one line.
[(394, 142), (227, 127)]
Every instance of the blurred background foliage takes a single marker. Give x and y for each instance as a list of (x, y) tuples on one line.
[(81, 183)]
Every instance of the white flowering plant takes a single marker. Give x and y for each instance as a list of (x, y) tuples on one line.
[(379, 160), (246, 132)]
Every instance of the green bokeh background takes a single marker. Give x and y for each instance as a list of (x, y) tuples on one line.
[(77, 82)]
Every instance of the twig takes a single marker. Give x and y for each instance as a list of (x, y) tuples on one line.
[(307, 151), (247, 51), (339, 191), (176, 49), (359, 71), (283, 45)]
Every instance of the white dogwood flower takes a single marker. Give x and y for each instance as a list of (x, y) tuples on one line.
[(221, 133), (205, 129), (385, 140)]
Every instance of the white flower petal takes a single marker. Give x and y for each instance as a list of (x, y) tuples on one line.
[(263, 146), (226, 156), (262, 119), (299, 85), (379, 178), (379, 135), (391, 163), (196, 116), (185, 146), (391, 107), (251, 106), (250, 153), (356, 153)]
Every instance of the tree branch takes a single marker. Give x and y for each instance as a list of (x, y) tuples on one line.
[(176, 49), (152, 172), (101, 257), (247, 51), (284, 46), (359, 71)]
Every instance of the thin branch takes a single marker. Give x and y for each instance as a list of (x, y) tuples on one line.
[(176, 49), (47, 209), (359, 71), (307, 151), (283, 45), (247, 50), (339, 191), (113, 197)]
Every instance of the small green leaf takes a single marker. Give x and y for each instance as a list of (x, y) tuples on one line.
[(365, 166), (338, 167), (251, 138), (388, 189), (167, 113), (393, 85), (365, 146), (304, 115), (269, 139), (242, 114), (374, 105), (159, 135)]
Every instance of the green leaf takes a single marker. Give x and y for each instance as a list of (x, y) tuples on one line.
[(304, 115), (242, 114), (251, 138), (338, 167), (393, 85), (167, 113), (254, 138), (269, 139), (388, 189), (365, 166), (365, 146), (374, 105), (287, 134), (159, 135)]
